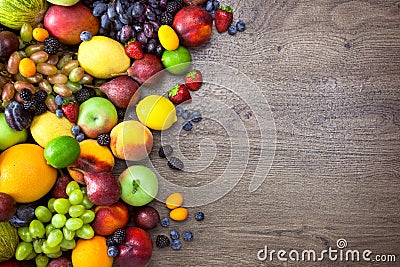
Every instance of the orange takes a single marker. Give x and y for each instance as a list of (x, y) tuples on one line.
[(24, 173), (91, 252)]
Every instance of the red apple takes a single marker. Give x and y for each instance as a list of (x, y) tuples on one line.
[(136, 250), (67, 22), (110, 218)]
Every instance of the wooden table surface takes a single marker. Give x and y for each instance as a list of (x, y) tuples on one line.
[(330, 72)]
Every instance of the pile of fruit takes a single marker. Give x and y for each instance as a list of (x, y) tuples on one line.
[(69, 70)]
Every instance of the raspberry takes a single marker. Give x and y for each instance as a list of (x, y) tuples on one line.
[(162, 241), (51, 45), (104, 139), (84, 94), (165, 151), (175, 163)]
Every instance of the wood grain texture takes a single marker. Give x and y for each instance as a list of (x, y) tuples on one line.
[(330, 71)]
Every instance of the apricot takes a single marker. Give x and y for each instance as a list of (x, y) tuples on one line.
[(93, 158), (179, 214), (174, 201), (131, 140)]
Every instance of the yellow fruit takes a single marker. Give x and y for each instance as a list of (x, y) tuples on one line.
[(174, 201), (27, 67), (168, 37), (102, 56), (40, 34), (48, 126), (91, 252), (179, 214), (156, 112), (24, 173)]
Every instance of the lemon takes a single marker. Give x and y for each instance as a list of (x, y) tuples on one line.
[(177, 61), (156, 112), (48, 126), (62, 151), (102, 56)]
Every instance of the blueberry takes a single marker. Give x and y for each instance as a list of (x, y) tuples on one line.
[(59, 100), (176, 244), (199, 216), (187, 126), (186, 114), (187, 236), (112, 251), (85, 36), (209, 5), (232, 30), (212, 14), (80, 137), (164, 221), (216, 5), (59, 113), (179, 111), (195, 116), (240, 26), (75, 130), (174, 234)]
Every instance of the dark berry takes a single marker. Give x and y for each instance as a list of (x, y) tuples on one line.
[(40, 108), (209, 5), (164, 222), (84, 94), (175, 163), (240, 26), (118, 236), (40, 96), (186, 114), (30, 105), (232, 30), (166, 18), (165, 151), (75, 130), (85, 35), (162, 241), (174, 234), (179, 111), (104, 139), (197, 119), (25, 94), (187, 236), (121, 113), (79, 137), (176, 244), (187, 126), (51, 45), (173, 7), (59, 100), (112, 251), (199, 216), (59, 113)]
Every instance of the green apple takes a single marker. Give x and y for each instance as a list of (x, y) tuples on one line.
[(139, 185), (8, 136), (63, 2), (97, 115)]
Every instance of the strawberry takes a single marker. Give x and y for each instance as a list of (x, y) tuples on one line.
[(194, 80), (223, 18), (179, 94), (133, 49), (70, 110)]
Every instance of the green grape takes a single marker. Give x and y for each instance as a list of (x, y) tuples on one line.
[(68, 234), (85, 232), (31, 255), (54, 255), (49, 228), (76, 197), (61, 205), (84, 190), (23, 233), (76, 74), (71, 186), (74, 224), (43, 214), (26, 32), (86, 202), (76, 210), (67, 244), (55, 237), (58, 220), (48, 249), (37, 245), (41, 260), (36, 229), (50, 205), (74, 86), (87, 216), (23, 250)]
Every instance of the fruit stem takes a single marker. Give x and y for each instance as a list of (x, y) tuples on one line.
[(135, 184), (119, 74)]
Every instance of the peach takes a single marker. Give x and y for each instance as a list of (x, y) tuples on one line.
[(131, 140), (110, 218), (93, 158)]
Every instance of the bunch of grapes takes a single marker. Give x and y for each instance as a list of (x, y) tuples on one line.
[(139, 19), (57, 226)]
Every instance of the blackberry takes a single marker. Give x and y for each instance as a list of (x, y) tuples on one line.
[(116, 238), (165, 151), (162, 241), (84, 94), (40, 108), (25, 94), (166, 18), (40, 96), (173, 7), (104, 139), (51, 45), (175, 163), (29, 105)]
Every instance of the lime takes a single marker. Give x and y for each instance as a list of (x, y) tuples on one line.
[(156, 112), (62, 151), (177, 61)]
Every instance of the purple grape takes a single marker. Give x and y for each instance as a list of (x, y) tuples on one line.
[(159, 50), (118, 24), (156, 25), (123, 19), (163, 3), (111, 12), (126, 34), (105, 21), (151, 46), (148, 30), (137, 27), (142, 38), (99, 9), (138, 9), (118, 7), (141, 19), (150, 15)]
